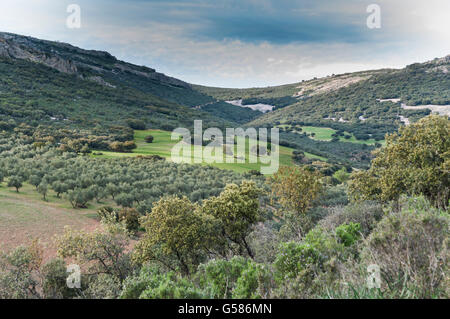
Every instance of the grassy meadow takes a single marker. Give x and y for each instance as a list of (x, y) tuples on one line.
[(163, 144)]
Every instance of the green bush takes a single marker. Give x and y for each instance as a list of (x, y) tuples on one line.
[(219, 276), (151, 283), (348, 234), (255, 282)]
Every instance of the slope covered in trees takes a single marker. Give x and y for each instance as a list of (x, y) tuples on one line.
[(190, 231), (307, 241)]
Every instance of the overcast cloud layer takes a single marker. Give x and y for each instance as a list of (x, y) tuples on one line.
[(243, 43)]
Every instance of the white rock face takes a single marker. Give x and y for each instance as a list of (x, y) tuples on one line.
[(258, 107), (389, 100), (439, 109), (405, 120)]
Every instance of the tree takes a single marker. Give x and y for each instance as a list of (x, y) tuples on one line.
[(125, 200), (112, 190), (296, 188), (129, 145), (102, 253), (116, 146), (136, 124), (175, 228), (416, 160), (79, 197), (43, 189), (85, 149), (35, 180), (237, 209), (149, 139), (16, 182), (19, 272), (59, 188)]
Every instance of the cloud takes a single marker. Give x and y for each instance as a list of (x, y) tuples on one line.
[(242, 43)]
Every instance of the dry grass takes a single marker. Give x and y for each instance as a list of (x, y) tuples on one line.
[(24, 217)]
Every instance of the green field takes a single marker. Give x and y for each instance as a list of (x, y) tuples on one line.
[(162, 146), (325, 134)]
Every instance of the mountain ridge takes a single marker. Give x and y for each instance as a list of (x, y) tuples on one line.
[(349, 97), (35, 50)]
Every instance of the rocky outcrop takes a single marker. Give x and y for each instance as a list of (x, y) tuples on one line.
[(439, 65), (99, 80), (9, 49), (70, 59)]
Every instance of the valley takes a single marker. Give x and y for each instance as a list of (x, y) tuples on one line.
[(87, 177)]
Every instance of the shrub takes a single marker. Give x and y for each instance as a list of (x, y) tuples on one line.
[(348, 234), (294, 257), (342, 175), (255, 282), (104, 286), (366, 214), (19, 272), (54, 285), (102, 253), (151, 283), (131, 218), (219, 276), (410, 247)]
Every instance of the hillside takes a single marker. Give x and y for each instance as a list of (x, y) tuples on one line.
[(379, 100), (56, 91), (97, 189), (70, 78), (57, 84)]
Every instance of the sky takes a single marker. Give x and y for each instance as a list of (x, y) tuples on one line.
[(243, 43)]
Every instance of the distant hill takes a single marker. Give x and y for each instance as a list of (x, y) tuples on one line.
[(371, 98), (58, 91), (57, 84)]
